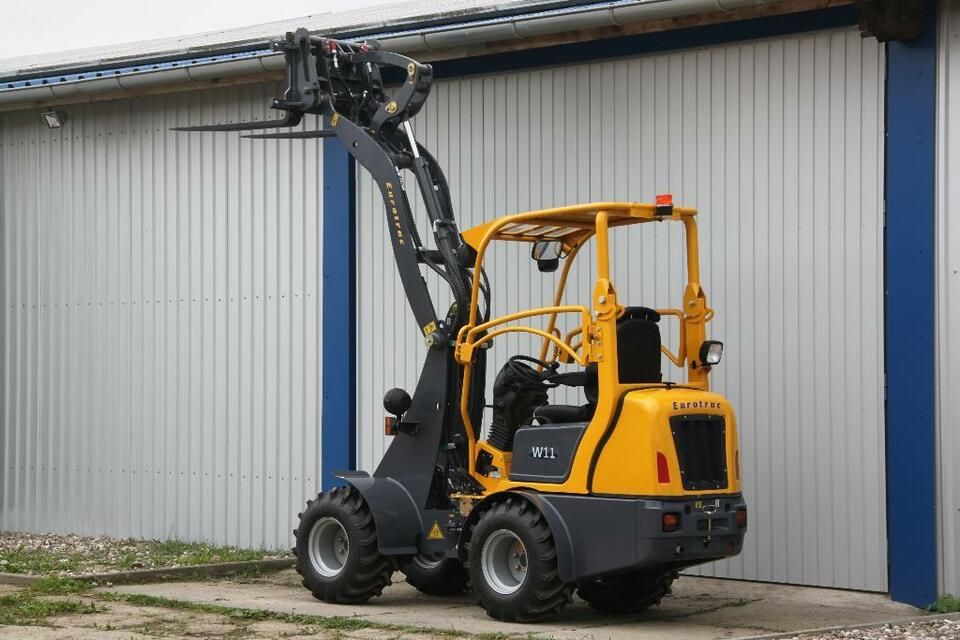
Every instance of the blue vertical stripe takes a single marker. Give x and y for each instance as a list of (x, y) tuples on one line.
[(339, 438), (909, 263)]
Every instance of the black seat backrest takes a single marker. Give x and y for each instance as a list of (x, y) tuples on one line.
[(638, 346)]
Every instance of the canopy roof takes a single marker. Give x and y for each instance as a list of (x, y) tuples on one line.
[(568, 224)]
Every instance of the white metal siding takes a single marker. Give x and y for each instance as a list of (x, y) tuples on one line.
[(779, 144), (948, 296), (161, 314)]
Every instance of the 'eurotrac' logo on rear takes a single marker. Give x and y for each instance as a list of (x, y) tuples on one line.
[(697, 404)]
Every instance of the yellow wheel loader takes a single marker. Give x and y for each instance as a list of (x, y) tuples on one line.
[(609, 497)]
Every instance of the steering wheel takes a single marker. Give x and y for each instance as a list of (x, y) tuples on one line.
[(518, 365)]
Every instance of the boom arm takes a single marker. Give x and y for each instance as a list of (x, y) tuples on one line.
[(343, 82)]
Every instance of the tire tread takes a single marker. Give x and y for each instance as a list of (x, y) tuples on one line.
[(447, 579), (371, 572), (550, 594), (629, 593)]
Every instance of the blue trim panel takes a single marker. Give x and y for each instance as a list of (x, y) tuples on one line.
[(593, 50), (909, 340), (339, 335)]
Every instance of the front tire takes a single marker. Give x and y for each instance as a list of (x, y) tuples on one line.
[(627, 593), (444, 577), (336, 549), (513, 564)]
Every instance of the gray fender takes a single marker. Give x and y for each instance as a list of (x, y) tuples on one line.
[(558, 527), (394, 512)]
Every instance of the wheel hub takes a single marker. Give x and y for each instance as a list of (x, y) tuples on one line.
[(503, 561), (328, 547)]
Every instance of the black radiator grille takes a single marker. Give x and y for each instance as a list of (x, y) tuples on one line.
[(701, 450)]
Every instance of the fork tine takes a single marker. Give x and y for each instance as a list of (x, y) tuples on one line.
[(292, 135), (292, 119)]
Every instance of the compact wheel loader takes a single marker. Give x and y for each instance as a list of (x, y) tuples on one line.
[(610, 497)]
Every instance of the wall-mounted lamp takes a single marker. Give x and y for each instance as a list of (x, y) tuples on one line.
[(54, 119)]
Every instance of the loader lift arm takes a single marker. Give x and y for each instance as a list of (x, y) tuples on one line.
[(344, 82)]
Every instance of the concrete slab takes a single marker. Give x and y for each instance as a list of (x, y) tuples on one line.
[(699, 609)]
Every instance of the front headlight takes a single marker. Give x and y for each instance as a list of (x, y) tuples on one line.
[(710, 352)]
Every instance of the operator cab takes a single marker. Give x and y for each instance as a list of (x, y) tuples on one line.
[(638, 357), (521, 398)]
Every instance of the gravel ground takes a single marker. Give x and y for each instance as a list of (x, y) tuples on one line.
[(943, 629), (73, 555)]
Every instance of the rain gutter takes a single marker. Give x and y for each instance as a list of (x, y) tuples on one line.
[(85, 85)]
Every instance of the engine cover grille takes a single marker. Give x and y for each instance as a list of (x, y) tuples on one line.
[(701, 445)]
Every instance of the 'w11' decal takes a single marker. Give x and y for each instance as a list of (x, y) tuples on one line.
[(543, 453)]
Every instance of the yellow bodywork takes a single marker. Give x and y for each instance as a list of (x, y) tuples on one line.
[(617, 454), (627, 464)]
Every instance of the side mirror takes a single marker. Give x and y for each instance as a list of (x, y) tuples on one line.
[(547, 254)]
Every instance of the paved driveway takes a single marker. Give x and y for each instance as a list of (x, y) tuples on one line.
[(700, 608)]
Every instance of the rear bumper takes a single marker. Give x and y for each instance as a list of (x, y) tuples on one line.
[(708, 531), (597, 536)]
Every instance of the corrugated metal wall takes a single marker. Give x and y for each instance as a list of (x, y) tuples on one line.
[(161, 310), (779, 143), (948, 295)]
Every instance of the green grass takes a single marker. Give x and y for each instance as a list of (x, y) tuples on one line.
[(24, 608), (123, 555), (171, 552), (57, 585), (37, 562), (947, 603)]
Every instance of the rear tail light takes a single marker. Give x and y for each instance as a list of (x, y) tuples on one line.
[(663, 471), (390, 425), (671, 522), (742, 517), (737, 463)]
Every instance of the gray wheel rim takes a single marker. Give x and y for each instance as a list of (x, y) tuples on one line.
[(328, 547), (503, 561)]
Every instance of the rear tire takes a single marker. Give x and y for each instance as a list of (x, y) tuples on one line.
[(628, 592), (336, 549), (513, 564), (445, 577)]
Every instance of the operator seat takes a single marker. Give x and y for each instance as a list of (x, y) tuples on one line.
[(638, 362), (567, 413)]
